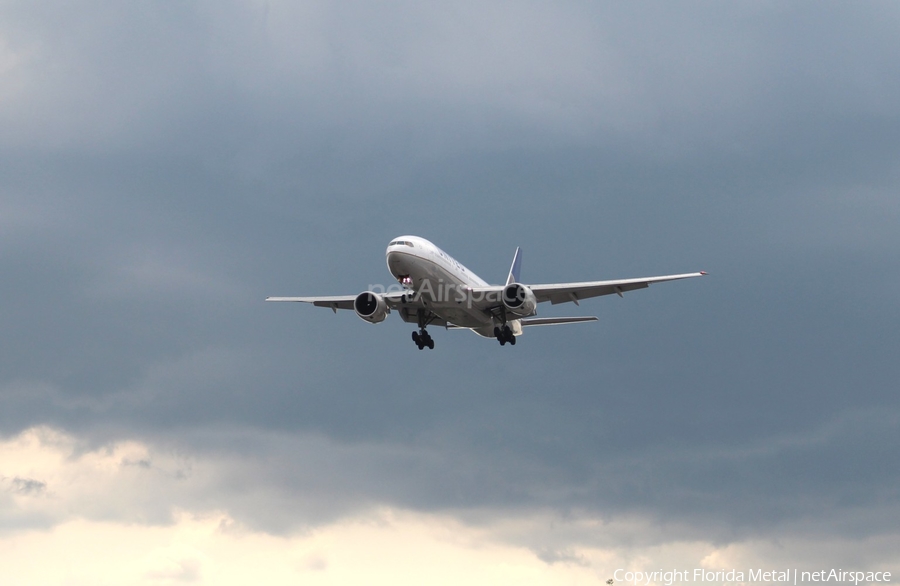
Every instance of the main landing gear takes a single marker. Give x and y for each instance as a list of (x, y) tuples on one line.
[(504, 335), (422, 338)]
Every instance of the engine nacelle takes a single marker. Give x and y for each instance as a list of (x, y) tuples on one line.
[(371, 307), (519, 300)]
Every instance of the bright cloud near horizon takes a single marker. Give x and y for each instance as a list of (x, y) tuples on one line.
[(93, 520), (165, 167)]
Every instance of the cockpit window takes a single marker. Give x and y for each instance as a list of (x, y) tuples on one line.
[(401, 243)]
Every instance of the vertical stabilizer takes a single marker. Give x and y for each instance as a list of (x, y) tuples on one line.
[(516, 267)]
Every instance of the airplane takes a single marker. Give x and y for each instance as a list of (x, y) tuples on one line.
[(433, 288)]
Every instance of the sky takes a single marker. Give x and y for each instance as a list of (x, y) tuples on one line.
[(164, 167)]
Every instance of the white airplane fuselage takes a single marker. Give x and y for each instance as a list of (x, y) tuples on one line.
[(442, 282)]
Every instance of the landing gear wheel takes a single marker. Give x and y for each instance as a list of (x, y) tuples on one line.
[(505, 335), (423, 338)]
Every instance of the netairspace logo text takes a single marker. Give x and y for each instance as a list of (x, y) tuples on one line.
[(788, 576)]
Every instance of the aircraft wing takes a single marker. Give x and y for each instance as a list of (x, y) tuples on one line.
[(335, 302), (563, 292)]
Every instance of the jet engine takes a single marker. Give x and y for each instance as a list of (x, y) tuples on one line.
[(371, 307), (519, 300)]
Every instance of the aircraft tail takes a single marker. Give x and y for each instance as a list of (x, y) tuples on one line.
[(516, 267)]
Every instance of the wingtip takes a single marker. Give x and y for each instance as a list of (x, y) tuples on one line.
[(704, 273)]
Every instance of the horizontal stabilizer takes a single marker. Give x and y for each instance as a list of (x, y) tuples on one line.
[(552, 321)]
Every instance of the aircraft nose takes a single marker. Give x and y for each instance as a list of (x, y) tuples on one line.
[(397, 263), (393, 258)]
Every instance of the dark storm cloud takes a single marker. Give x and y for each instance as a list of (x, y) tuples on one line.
[(164, 168)]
